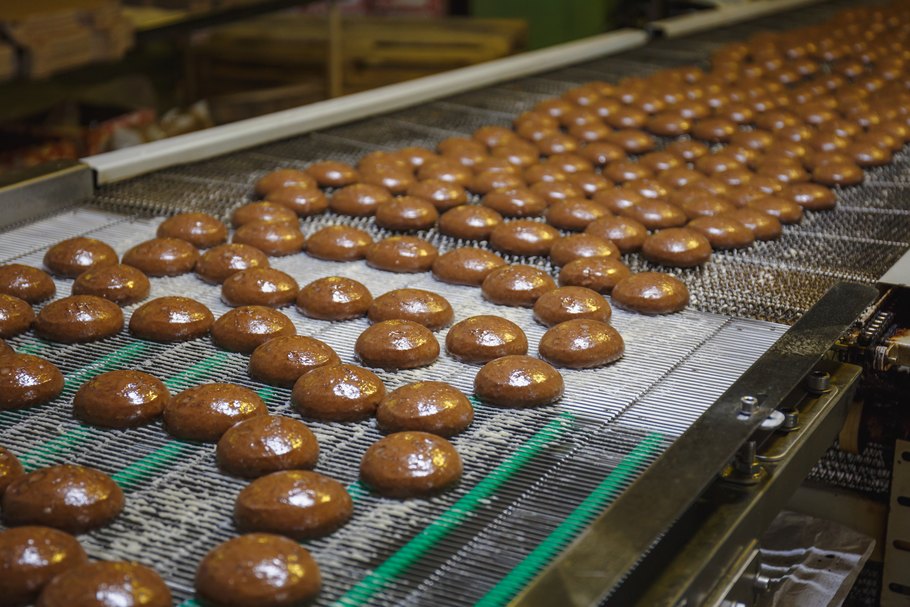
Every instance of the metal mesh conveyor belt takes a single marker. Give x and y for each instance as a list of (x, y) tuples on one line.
[(533, 478)]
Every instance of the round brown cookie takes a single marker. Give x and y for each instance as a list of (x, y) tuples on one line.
[(491, 136), (407, 213), (469, 222), (811, 196), (406, 254), (524, 237), (867, 154), (272, 238), (263, 211), (466, 265), (626, 170), (397, 344), (656, 214), (105, 584), (410, 464), (427, 406), (5, 348), (10, 469), (221, 262), (480, 339), (122, 284), (699, 203), (300, 504), (30, 557), (568, 303), (556, 191), (626, 233), (651, 293), (199, 229), (786, 211), (74, 256), (338, 393), (245, 328), (415, 156), (581, 343), (171, 319), (332, 174), (282, 360), (16, 316), (762, 225), (396, 181), (518, 381), (668, 124), (120, 399), (590, 182), (599, 274), (72, 498), (515, 202), (265, 444), (79, 318), (281, 178), (574, 214), (633, 141), (424, 307), (715, 130), (680, 247), (838, 174), (650, 189), (578, 246), (163, 257), (516, 285), (359, 199), (442, 195), (339, 243), (231, 573), (259, 287), (27, 380), (303, 200), (334, 298), (723, 232), (27, 283), (602, 152), (204, 413)]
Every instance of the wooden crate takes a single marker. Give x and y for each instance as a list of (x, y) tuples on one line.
[(285, 49)]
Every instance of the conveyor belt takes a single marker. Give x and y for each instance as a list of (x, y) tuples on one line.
[(532, 478), (528, 473)]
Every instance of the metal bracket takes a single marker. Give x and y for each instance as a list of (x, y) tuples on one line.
[(896, 577)]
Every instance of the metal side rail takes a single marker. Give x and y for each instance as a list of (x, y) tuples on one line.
[(116, 166)]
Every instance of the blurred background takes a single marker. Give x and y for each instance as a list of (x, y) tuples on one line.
[(80, 77)]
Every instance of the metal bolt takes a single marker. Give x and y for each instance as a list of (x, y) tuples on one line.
[(745, 458), (818, 382), (748, 405), (791, 420), (761, 583)]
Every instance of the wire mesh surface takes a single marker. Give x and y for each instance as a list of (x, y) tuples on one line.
[(532, 477), (546, 462)]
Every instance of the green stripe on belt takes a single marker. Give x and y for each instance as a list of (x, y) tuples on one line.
[(560, 537), (454, 516)]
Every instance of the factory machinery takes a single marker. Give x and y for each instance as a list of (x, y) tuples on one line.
[(649, 483)]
